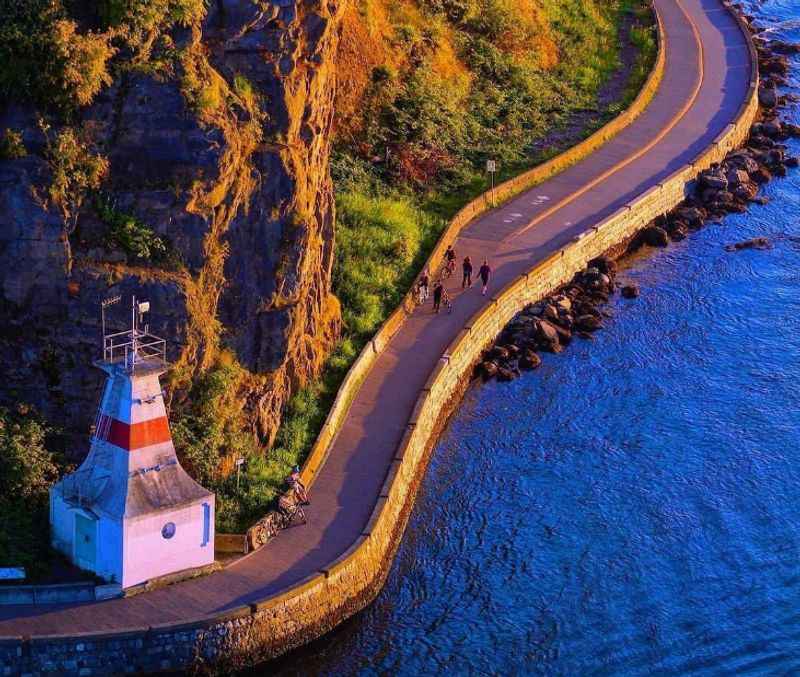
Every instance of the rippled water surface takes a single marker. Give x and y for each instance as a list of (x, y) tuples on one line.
[(634, 506)]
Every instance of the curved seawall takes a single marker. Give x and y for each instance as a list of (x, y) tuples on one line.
[(308, 581)]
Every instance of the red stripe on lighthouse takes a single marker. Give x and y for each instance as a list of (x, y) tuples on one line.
[(138, 435)]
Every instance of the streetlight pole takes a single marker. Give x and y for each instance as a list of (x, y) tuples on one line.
[(491, 167)]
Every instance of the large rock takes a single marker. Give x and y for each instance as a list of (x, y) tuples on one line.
[(630, 291), (588, 323), (715, 181), (692, 216), (768, 97), (246, 200), (605, 264), (736, 177), (656, 236), (529, 360)]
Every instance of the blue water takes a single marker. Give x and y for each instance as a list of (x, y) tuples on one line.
[(631, 508)]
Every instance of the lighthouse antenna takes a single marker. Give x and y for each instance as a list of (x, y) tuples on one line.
[(105, 303), (133, 332)]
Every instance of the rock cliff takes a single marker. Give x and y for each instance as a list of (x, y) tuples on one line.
[(223, 152)]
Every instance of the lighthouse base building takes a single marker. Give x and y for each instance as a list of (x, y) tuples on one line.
[(131, 513)]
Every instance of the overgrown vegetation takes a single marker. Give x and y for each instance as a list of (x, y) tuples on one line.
[(11, 145), (76, 169), (127, 233), (59, 54), (27, 471)]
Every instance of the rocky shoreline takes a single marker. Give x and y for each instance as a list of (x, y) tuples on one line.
[(577, 308)]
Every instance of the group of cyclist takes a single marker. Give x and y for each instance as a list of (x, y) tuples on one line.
[(440, 295)]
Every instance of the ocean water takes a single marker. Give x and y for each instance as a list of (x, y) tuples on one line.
[(631, 508)]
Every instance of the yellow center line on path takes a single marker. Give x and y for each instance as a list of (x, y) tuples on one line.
[(642, 151)]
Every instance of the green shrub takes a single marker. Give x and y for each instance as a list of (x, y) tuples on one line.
[(76, 170), (27, 471), (131, 235), (11, 146)]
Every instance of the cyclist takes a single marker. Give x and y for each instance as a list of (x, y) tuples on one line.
[(422, 287), (449, 260)]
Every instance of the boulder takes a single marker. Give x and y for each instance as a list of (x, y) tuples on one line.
[(656, 237), (773, 129), (781, 47), (678, 233), (761, 175), (724, 197), (746, 192), (714, 181), (742, 160), (736, 177), (588, 323), (693, 216), (791, 130), (499, 353), (530, 360), (564, 303), (504, 374), (630, 291), (489, 370), (605, 264), (768, 97), (761, 141), (547, 331), (755, 243), (775, 65), (550, 312)]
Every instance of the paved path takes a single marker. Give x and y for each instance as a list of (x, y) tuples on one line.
[(349, 482)]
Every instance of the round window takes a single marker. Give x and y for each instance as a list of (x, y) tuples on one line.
[(168, 530)]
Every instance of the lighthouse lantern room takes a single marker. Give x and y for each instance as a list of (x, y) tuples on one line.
[(131, 513)]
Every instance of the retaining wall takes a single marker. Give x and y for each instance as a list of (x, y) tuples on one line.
[(268, 628)]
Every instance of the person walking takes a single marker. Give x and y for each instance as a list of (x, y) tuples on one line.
[(467, 267), (485, 273), (438, 290), (446, 301)]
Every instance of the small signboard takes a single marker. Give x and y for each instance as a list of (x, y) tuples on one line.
[(12, 574), (491, 166)]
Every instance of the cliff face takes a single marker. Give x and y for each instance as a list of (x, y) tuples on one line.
[(225, 156)]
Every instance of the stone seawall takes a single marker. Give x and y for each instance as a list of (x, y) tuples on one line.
[(260, 631)]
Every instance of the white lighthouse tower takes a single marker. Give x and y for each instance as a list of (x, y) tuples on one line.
[(131, 513)]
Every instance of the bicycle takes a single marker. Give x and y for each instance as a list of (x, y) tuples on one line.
[(449, 269)]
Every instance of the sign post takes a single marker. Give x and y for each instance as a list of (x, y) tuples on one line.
[(239, 463), (491, 167)]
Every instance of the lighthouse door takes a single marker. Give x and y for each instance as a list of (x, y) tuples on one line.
[(85, 542)]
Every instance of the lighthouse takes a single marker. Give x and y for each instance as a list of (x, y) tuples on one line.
[(131, 513)]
